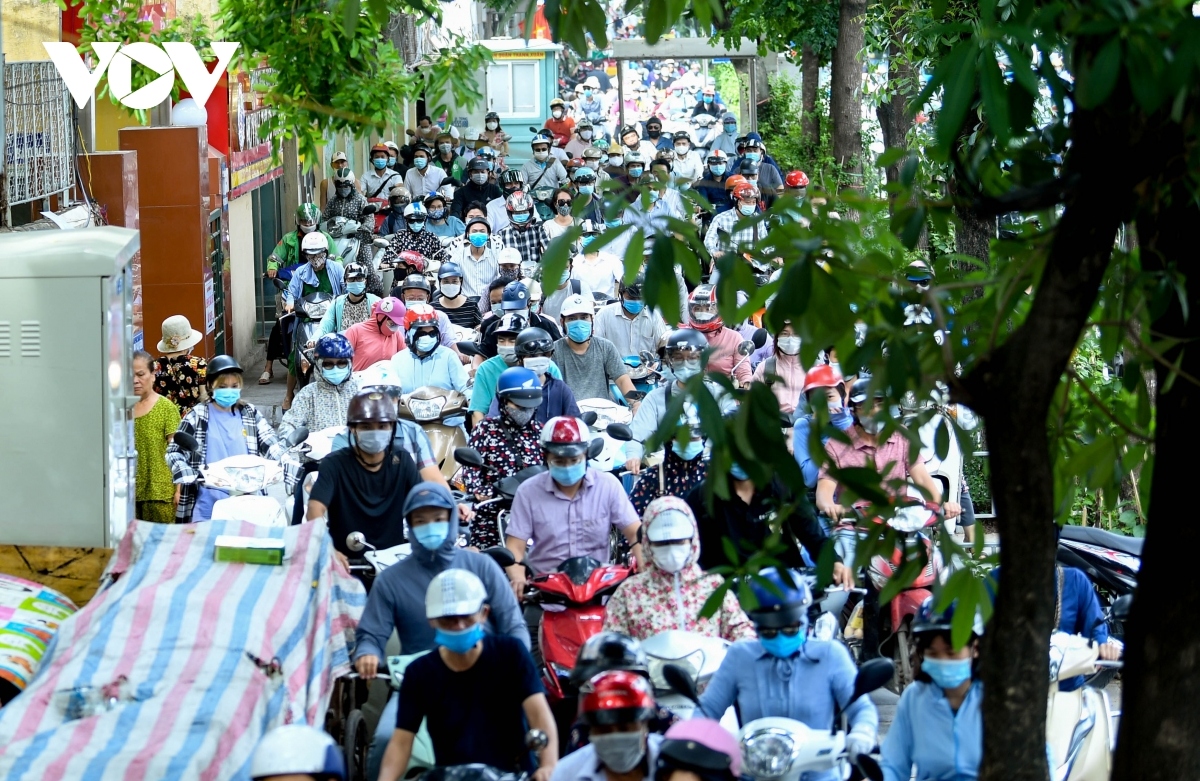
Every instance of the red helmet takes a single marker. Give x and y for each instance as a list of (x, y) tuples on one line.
[(414, 260), (745, 191), (616, 697), (822, 376), (796, 179), (702, 309), (381, 148), (418, 315), (565, 436), (734, 181)]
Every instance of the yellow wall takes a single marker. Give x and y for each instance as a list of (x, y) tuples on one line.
[(109, 119), (27, 24)]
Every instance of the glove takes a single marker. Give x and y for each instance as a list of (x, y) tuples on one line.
[(860, 741)]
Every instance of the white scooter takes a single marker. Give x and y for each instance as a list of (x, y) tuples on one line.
[(607, 412), (698, 655)]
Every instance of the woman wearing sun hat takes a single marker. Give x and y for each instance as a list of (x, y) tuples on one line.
[(178, 374)]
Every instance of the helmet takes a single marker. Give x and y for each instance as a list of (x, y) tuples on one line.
[(796, 179), (634, 156), (371, 406), (685, 339), (509, 256), (307, 212), (519, 201), (512, 176), (609, 651), (420, 316), (298, 749), (591, 82), (391, 308), (577, 305), (415, 211), (745, 192), (703, 747), (434, 196), (354, 271), (449, 269), (511, 324), (748, 168), (634, 288), (334, 346), (717, 156), (477, 164), (415, 282), (380, 148), (222, 364), (734, 181), (753, 141), (520, 386), (491, 115), (534, 341), (514, 296), (782, 606), (414, 260), (588, 227), (626, 130), (821, 376), (616, 697), (399, 196), (343, 177), (565, 436), (929, 620), (668, 518), (454, 592), (557, 103), (860, 389), (314, 242), (583, 175), (704, 297), (681, 135), (918, 273)]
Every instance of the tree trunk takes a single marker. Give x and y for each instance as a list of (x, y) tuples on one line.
[(810, 75), (893, 115), (845, 93)]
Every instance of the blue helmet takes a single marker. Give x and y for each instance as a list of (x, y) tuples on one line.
[(520, 386), (334, 346), (450, 269), (930, 620), (788, 607), (515, 296)]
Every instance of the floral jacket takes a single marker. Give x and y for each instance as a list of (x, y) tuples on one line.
[(508, 450)]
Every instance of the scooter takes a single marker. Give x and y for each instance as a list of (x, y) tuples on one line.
[(309, 311), (612, 452), (698, 655), (436, 409), (535, 740), (244, 478)]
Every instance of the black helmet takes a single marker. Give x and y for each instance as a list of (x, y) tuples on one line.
[(608, 651), (415, 282), (683, 339), (222, 364), (477, 164), (533, 341), (634, 288), (371, 406), (748, 168), (491, 115), (861, 389), (930, 620), (512, 176), (354, 270), (681, 135)]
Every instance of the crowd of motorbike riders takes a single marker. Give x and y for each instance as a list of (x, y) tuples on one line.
[(540, 347)]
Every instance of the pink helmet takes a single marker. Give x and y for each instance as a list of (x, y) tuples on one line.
[(391, 308), (701, 745)]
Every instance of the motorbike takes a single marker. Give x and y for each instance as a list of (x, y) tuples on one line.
[(698, 655), (309, 311), (535, 741), (612, 452), (347, 235), (244, 478), (435, 410)]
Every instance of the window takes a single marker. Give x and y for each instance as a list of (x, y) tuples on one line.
[(513, 89)]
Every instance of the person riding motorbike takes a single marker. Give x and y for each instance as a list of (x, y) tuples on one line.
[(704, 317), (687, 166), (286, 254), (524, 233), (584, 181), (319, 274), (938, 727), (461, 310), (297, 752), (380, 179), (324, 403), (424, 178), (590, 501), (514, 299), (582, 137), (413, 238), (628, 323), (478, 188), (542, 169), (712, 185), (348, 202), (782, 371), (671, 592), (415, 289), (589, 364), (723, 236), (533, 349), (398, 200), (397, 603), (823, 387), (698, 749), (426, 361), (617, 707), (784, 673), (353, 306), (379, 338), (512, 181)]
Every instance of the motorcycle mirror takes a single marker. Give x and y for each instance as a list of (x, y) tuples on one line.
[(647, 358), (595, 448), (746, 348), (759, 338), (298, 435), (619, 432), (186, 441), (381, 243), (356, 541), (1120, 608), (680, 682), (869, 767), (536, 740), (873, 675), (501, 555), (589, 417), (469, 456), (469, 348)]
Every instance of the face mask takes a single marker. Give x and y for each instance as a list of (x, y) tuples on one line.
[(437, 214), (379, 164), (226, 397), (372, 442), (586, 189), (842, 419), (497, 309), (336, 375), (788, 345), (586, 240), (615, 159), (731, 130), (539, 365), (586, 135), (654, 196), (479, 178), (432, 535), (557, 114), (587, 93), (689, 451), (871, 425), (708, 99), (746, 209), (444, 148), (947, 673), (356, 288), (579, 331), (477, 239), (451, 291), (632, 307), (635, 172), (753, 157), (737, 473), (671, 558), (564, 210), (492, 125), (519, 416), (717, 169), (620, 752), (342, 191), (681, 150), (783, 646), (391, 161), (568, 475), (654, 133), (317, 263), (459, 642), (420, 163), (521, 218), (509, 273), (416, 227), (540, 156), (535, 307), (612, 223), (426, 343), (307, 228), (687, 370)]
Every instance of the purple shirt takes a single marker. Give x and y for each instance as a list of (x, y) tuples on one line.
[(563, 528)]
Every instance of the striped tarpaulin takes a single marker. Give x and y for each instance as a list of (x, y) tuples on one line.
[(180, 628)]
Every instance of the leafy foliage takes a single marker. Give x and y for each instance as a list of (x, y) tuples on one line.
[(779, 124), (784, 26)]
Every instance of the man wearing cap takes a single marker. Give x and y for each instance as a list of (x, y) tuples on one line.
[(477, 189), (589, 363), (543, 171), (582, 138), (632, 141), (561, 126), (424, 177), (326, 189), (708, 104), (475, 692), (396, 601)]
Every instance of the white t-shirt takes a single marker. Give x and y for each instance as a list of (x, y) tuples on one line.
[(554, 230), (602, 274)]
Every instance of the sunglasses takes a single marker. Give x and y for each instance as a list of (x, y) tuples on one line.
[(561, 202), (771, 634)]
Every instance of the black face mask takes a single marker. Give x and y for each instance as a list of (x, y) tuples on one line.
[(654, 133)]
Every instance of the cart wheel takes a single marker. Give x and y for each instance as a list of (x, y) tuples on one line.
[(356, 743), (903, 659)]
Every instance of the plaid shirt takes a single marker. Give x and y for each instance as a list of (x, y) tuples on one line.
[(260, 439), (530, 241), (722, 237)]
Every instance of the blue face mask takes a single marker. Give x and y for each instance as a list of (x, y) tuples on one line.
[(737, 473), (731, 130), (753, 157), (336, 375), (437, 214), (432, 535), (579, 331), (708, 98), (586, 240), (426, 343), (521, 218), (587, 93), (459, 642), (568, 475), (635, 172), (416, 227), (843, 419), (379, 164), (632, 307), (586, 189), (746, 208), (947, 673), (654, 196), (612, 223), (420, 163), (357, 288), (477, 239), (783, 646), (689, 451), (227, 397), (718, 169), (391, 161)]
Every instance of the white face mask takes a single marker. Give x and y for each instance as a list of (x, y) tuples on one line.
[(451, 291), (540, 155), (788, 345), (557, 114), (671, 558), (539, 365), (493, 125)]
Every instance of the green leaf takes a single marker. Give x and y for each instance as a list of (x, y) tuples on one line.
[(941, 439), (1095, 82), (995, 98), (959, 93), (350, 9), (656, 19)]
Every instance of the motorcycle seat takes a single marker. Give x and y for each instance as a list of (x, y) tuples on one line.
[(1094, 536)]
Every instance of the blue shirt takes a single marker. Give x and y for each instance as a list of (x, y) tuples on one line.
[(807, 687), (942, 744), (449, 229), (800, 434), (226, 437), (557, 399), (304, 275), (1080, 614), (442, 368)]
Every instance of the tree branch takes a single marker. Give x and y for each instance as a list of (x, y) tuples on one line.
[(1139, 435)]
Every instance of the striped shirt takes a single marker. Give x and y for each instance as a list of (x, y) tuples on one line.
[(477, 273)]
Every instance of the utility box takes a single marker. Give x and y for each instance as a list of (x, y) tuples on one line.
[(67, 459)]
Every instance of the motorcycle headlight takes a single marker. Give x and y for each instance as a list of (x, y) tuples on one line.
[(246, 480), (426, 409), (768, 753)]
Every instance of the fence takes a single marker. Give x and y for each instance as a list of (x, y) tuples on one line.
[(39, 149)]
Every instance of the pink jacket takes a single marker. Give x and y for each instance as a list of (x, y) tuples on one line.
[(725, 343), (370, 345), (790, 379)]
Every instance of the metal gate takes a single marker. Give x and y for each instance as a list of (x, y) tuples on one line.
[(216, 258), (269, 227), (38, 147)]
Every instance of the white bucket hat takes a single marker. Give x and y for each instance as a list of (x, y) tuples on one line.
[(454, 592), (178, 335)]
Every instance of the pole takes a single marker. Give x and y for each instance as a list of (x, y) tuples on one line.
[(620, 101), (5, 214)]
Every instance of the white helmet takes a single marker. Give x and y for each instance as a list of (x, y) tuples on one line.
[(577, 305), (509, 256), (314, 242), (454, 592), (297, 749), (669, 518)]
